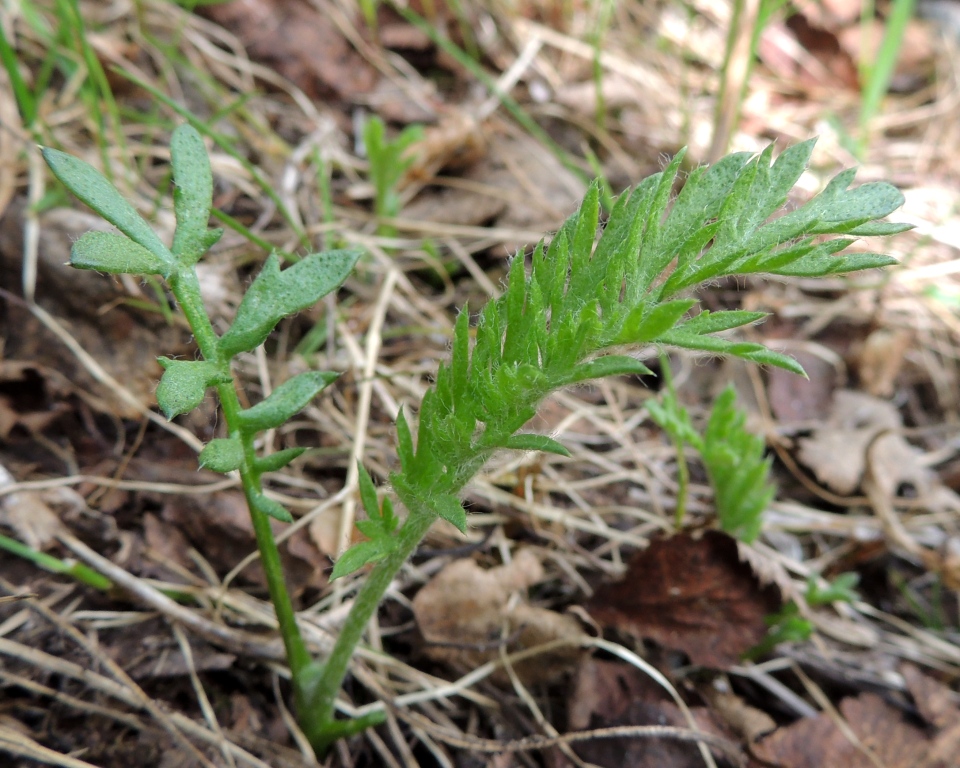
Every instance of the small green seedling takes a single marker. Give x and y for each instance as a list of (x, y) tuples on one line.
[(571, 316), (840, 590), (733, 457), (788, 625), (389, 160)]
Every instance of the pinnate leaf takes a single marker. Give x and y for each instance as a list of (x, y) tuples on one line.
[(274, 294), (738, 471), (286, 401)]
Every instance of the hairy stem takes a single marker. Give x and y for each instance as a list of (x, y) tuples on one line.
[(323, 731), (186, 289)]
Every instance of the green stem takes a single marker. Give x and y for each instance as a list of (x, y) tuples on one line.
[(186, 289), (323, 731)]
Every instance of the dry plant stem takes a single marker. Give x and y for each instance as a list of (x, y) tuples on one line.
[(186, 288)]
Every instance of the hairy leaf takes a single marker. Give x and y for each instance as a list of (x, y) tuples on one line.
[(529, 442), (277, 460), (610, 365), (117, 254), (184, 384), (223, 454), (557, 321), (193, 195), (738, 471), (286, 401), (274, 294), (88, 184), (271, 508)]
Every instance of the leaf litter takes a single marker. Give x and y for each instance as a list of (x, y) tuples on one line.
[(586, 516)]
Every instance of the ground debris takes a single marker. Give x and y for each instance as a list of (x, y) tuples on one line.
[(690, 594)]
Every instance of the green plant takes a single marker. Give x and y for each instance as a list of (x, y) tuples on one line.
[(389, 160), (875, 76), (566, 320), (272, 295), (788, 625), (733, 457)]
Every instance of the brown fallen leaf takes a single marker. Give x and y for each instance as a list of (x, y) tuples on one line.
[(299, 42), (690, 594), (218, 525), (465, 613), (837, 451), (881, 358), (547, 190), (818, 742), (612, 693), (794, 399)]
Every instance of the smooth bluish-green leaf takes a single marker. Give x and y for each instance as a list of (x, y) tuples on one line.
[(530, 442), (225, 454), (287, 400), (88, 184), (277, 460), (271, 508), (193, 195), (611, 365), (274, 294), (117, 254), (185, 383), (450, 509)]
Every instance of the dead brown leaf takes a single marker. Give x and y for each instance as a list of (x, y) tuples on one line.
[(466, 613), (819, 741), (219, 528), (795, 399), (300, 43), (607, 694), (519, 186), (690, 594), (837, 451), (881, 359)]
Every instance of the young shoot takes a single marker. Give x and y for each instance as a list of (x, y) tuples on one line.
[(575, 315)]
